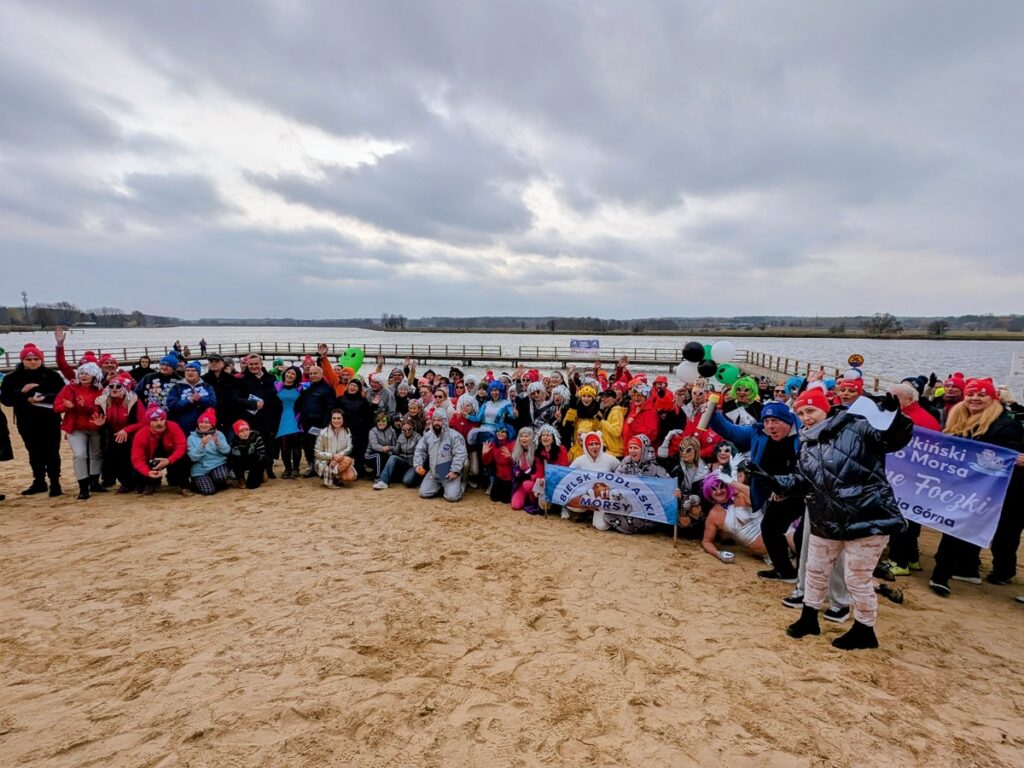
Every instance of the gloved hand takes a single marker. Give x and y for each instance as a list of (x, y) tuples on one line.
[(768, 480), (889, 402)]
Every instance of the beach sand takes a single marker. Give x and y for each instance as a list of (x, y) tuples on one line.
[(297, 626)]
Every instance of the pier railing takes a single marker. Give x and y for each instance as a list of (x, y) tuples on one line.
[(756, 363)]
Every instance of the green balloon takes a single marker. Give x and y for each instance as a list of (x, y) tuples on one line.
[(3, 351), (707, 351), (352, 358), (728, 374)]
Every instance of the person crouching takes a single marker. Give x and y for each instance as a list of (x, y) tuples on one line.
[(208, 449), (160, 446), (248, 457)]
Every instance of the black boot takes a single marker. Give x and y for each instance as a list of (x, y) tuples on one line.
[(38, 486), (859, 636), (83, 490), (95, 486), (807, 624), (55, 489)]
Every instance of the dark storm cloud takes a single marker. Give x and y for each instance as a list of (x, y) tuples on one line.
[(450, 185)]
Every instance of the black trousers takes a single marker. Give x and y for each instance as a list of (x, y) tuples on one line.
[(42, 443), (1006, 541), (248, 468), (117, 462), (955, 557), (903, 548), (778, 516)]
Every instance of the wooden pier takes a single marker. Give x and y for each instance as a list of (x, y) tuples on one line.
[(777, 367)]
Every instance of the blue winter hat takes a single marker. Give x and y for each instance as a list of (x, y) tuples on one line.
[(194, 364), (171, 360), (777, 410)]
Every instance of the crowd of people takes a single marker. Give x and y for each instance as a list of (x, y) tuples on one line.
[(783, 470)]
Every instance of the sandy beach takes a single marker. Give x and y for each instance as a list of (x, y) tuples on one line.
[(296, 626)]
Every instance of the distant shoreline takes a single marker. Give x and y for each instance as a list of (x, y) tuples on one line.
[(697, 333)]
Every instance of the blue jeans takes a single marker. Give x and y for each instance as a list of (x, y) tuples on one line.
[(401, 468)]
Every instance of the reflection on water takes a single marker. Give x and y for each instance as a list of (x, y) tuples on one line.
[(888, 358)]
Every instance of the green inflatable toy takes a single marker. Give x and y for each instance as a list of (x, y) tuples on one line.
[(2, 351), (747, 383), (728, 374), (707, 352), (352, 358)]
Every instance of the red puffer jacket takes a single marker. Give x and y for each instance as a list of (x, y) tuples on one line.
[(641, 420), (147, 444), (79, 415)]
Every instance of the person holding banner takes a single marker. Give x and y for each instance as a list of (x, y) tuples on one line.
[(851, 506), (597, 459), (639, 461), (980, 416)]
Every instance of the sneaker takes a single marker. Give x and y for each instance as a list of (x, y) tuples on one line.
[(883, 572), (380, 485), (838, 613), (896, 570), (915, 566), (309, 473), (565, 514), (795, 599), (968, 579), (998, 580), (1019, 598), (940, 589), (774, 575)]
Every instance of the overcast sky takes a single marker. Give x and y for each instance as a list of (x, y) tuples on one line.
[(329, 159)]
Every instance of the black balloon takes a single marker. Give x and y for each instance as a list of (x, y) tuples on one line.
[(707, 367), (693, 352)]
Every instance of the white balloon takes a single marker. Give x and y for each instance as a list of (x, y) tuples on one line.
[(687, 372), (723, 351)]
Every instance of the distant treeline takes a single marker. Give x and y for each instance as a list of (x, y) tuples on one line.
[(880, 324), (67, 314)]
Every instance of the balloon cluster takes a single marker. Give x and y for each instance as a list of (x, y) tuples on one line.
[(709, 360)]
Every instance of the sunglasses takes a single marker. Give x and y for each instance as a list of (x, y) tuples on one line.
[(116, 386)]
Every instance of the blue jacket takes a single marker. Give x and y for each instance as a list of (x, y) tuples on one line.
[(751, 439), (183, 411), (206, 458)]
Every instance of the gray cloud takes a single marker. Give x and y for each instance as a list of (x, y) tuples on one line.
[(870, 128)]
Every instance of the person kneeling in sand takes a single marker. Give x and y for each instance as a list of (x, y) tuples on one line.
[(333, 452), (731, 516), (158, 449), (208, 449), (440, 458), (248, 457)]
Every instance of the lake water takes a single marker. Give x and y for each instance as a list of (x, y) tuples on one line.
[(891, 359)]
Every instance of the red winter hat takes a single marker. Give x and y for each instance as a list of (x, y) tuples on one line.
[(307, 359), (591, 438), (237, 426), (661, 380), (815, 398), (89, 357), (210, 415), (532, 375), (955, 380), (974, 386), (31, 349), (856, 383), (108, 358)]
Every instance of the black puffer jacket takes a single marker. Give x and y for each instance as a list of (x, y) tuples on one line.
[(841, 468)]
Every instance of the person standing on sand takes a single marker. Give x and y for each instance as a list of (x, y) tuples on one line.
[(30, 391), (851, 506)]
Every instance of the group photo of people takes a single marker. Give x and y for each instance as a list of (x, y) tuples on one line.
[(790, 472)]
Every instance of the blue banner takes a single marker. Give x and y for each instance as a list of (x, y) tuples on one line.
[(649, 498), (951, 484)]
